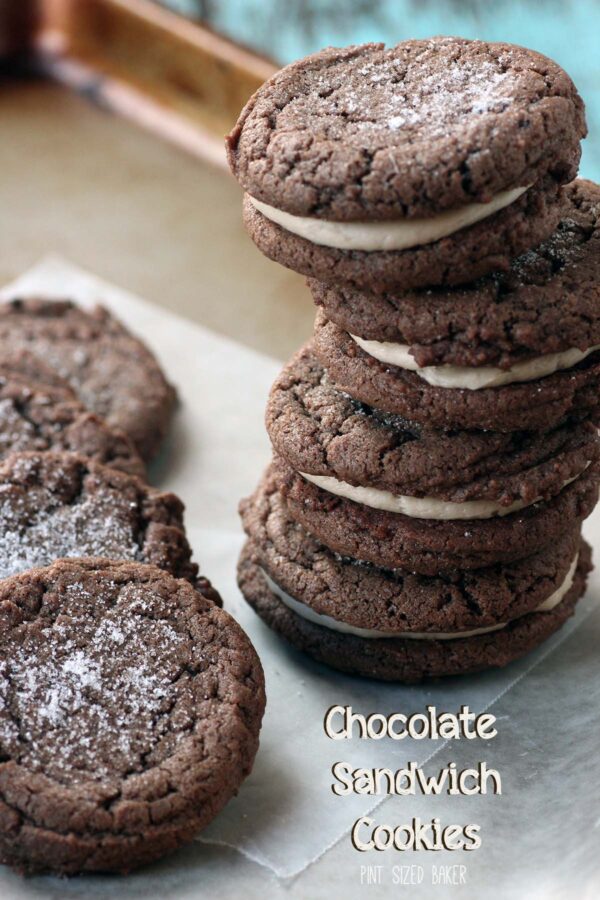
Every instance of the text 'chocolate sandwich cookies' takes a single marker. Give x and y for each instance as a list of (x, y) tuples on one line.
[(435, 444)]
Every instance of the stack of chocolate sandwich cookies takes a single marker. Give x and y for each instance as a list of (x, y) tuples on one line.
[(130, 702), (435, 443)]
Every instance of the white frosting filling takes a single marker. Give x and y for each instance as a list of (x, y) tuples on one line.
[(325, 621), (421, 507), (393, 235), (473, 378)]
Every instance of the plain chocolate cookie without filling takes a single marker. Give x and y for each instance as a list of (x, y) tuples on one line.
[(55, 505), (129, 715), (401, 659), (36, 417), (112, 372), (322, 431), (21, 365)]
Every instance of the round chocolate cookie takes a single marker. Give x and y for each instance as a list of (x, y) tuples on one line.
[(359, 596), (369, 137), (55, 505), (320, 431), (35, 416), (532, 405), (367, 132), (546, 303), (402, 659), (113, 373), (432, 546), (465, 255), (130, 714)]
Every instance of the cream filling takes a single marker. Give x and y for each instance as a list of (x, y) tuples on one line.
[(393, 235), (473, 378), (325, 621), (421, 507)]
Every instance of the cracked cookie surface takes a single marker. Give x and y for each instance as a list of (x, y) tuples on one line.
[(547, 302), (534, 405), (21, 365), (395, 600), (399, 659), (467, 254), (130, 707), (429, 546), (112, 372), (36, 417)]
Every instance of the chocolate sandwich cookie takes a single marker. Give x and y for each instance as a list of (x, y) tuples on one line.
[(431, 162), (537, 318), (531, 405), (401, 658), (431, 545), (130, 714), (342, 444), (113, 373), (35, 416), (56, 505), (392, 602)]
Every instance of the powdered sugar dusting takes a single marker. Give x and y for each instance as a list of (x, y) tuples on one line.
[(89, 693), (37, 526), (437, 91), (464, 89), (112, 373)]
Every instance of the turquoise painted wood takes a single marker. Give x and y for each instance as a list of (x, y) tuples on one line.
[(566, 30)]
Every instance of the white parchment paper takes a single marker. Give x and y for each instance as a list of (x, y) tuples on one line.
[(286, 816)]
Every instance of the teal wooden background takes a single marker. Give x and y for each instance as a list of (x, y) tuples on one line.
[(566, 30)]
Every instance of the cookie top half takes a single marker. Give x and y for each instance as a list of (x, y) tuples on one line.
[(129, 714), (369, 133)]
